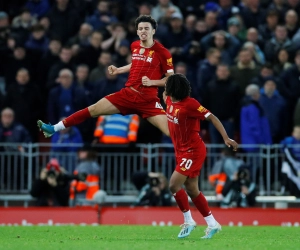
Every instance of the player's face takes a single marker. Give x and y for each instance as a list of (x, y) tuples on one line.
[(145, 31)]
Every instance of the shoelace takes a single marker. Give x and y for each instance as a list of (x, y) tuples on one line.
[(184, 225)]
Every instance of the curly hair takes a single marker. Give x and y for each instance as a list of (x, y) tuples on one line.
[(178, 86), (146, 19)]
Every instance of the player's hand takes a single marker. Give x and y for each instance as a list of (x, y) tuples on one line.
[(112, 70), (146, 81), (231, 143)]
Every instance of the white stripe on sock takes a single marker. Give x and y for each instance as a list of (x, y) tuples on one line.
[(59, 126)]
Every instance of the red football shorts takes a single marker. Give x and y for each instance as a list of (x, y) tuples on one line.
[(190, 163), (129, 101)]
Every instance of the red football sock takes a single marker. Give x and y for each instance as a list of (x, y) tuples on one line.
[(202, 205), (182, 200), (76, 118)]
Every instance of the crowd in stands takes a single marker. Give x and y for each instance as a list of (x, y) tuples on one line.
[(241, 56)]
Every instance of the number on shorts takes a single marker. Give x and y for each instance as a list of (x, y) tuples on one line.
[(186, 162)]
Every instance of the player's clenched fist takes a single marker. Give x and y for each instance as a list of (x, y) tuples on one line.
[(146, 81), (112, 70)]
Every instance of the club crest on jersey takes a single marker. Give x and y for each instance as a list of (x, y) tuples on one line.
[(149, 59), (171, 109), (202, 109), (151, 53), (142, 51), (176, 111), (183, 169), (134, 50), (169, 62)]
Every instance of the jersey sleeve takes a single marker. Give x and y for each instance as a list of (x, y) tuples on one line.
[(197, 110), (166, 61)]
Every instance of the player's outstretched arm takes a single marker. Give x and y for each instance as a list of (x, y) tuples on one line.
[(158, 83), (219, 126), (113, 70)]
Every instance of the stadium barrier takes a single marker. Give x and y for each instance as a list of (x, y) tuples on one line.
[(21, 164)]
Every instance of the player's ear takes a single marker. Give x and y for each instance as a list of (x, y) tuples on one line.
[(153, 31)]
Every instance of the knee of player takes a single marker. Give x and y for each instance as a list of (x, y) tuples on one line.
[(174, 187)]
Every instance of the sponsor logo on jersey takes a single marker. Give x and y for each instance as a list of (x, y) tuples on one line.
[(151, 53), (183, 169), (158, 105), (169, 62), (149, 59), (202, 109)]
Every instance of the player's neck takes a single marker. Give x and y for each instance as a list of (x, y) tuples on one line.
[(174, 100), (147, 43)]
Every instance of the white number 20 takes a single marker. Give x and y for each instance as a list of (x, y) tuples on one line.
[(187, 162)]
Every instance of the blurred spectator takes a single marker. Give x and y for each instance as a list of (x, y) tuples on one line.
[(52, 188), (200, 30), (82, 74), (25, 99), (49, 58), (108, 85), (4, 28), (116, 129), (38, 8), (89, 54), (235, 29), (12, 132), (176, 36), (224, 169), (274, 107), (256, 52), (291, 23), (88, 182), (240, 191), (297, 113), (83, 36), (97, 74), (37, 40), (163, 10), (252, 13), (266, 72), (282, 62), (65, 62), (190, 22), (279, 41), (64, 20), (153, 189), (102, 16), (291, 142), (222, 92), (294, 4), (227, 44), (267, 29), (66, 98), (254, 125), (118, 34), (280, 7), (120, 57), (254, 37), (289, 88), (62, 150), (244, 70), (207, 69), (19, 59), (21, 24), (291, 165), (211, 21)]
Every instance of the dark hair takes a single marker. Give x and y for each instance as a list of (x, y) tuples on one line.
[(145, 19), (267, 65), (178, 86)]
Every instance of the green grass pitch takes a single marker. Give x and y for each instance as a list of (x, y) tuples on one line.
[(145, 237)]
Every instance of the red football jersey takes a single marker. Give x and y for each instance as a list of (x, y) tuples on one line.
[(153, 62), (184, 124)]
